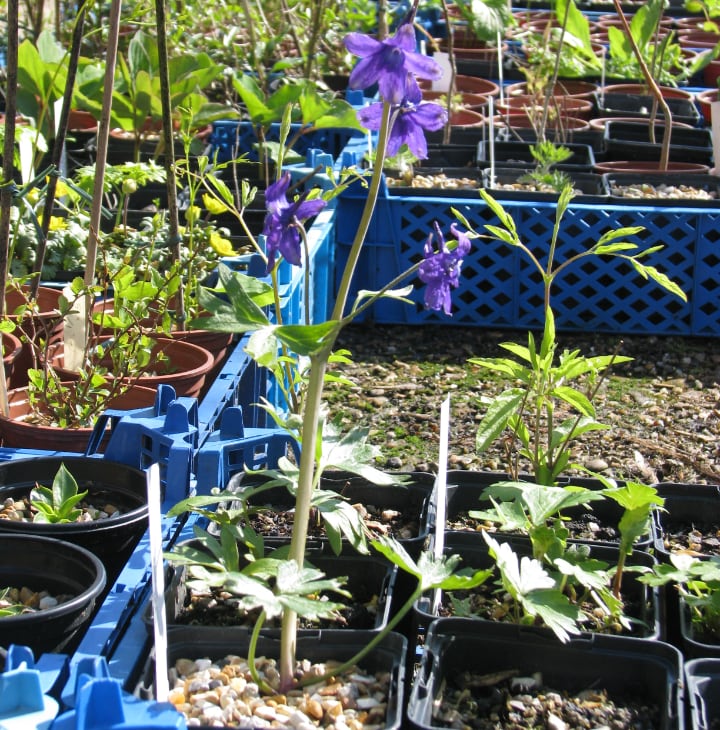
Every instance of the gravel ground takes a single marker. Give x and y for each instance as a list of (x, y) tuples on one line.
[(663, 407)]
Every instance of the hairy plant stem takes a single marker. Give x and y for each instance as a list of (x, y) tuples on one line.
[(306, 485)]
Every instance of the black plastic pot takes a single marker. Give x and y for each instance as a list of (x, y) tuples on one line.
[(465, 493), (591, 187), (475, 555), (42, 563), (648, 672), (702, 677), (369, 580), (412, 499), (517, 154), (457, 182), (315, 646), (708, 184), (640, 105), (687, 507), (692, 644), (631, 141), (112, 539)]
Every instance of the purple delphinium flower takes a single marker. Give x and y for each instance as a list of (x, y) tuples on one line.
[(393, 63), (409, 123), (282, 220), (441, 269)]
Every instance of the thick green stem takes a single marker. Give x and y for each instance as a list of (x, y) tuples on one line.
[(367, 213), (305, 488)]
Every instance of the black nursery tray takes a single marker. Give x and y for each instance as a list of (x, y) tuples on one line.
[(589, 186), (671, 190), (640, 105), (453, 182)]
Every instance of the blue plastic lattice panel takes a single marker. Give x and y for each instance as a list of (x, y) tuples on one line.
[(706, 290), (395, 242), (604, 294)]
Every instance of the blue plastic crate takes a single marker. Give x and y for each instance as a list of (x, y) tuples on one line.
[(232, 139), (233, 447), (498, 285)]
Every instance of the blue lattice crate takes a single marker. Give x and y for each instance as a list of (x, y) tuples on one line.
[(499, 287), (234, 447), (605, 294), (706, 290)]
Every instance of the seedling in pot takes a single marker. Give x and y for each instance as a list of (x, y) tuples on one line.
[(698, 583), (58, 504)]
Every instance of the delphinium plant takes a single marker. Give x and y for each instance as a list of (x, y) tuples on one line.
[(400, 118)]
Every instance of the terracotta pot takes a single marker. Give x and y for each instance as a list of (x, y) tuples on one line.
[(704, 99), (466, 118), (476, 85), (46, 323), (562, 88), (81, 120), (520, 120), (17, 432), (567, 106), (474, 102), (698, 39), (12, 347), (186, 368), (599, 122), (217, 343), (649, 166), (668, 92)]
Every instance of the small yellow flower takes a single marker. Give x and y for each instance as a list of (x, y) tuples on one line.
[(221, 245), (61, 189), (57, 223), (192, 214), (213, 205), (33, 195)]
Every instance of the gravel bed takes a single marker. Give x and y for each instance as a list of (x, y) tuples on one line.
[(663, 407)]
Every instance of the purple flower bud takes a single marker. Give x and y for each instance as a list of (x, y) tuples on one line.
[(441, 269)]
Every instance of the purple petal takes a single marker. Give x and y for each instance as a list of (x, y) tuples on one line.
[(406, 131), (277, 191), (404, 38), (289, 246), (423, 66), (393, 82), (371, 116), (361, 45), (463, 241), (309, 208), (366, 72), (430, 116)]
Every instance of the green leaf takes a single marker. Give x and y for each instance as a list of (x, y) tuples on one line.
[(496, 418), (555, 610), (579, 401), (658, 277), (307, 339), (613, 248)]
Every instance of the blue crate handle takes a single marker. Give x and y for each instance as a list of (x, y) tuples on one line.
[(165, 396), (24, 702)]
